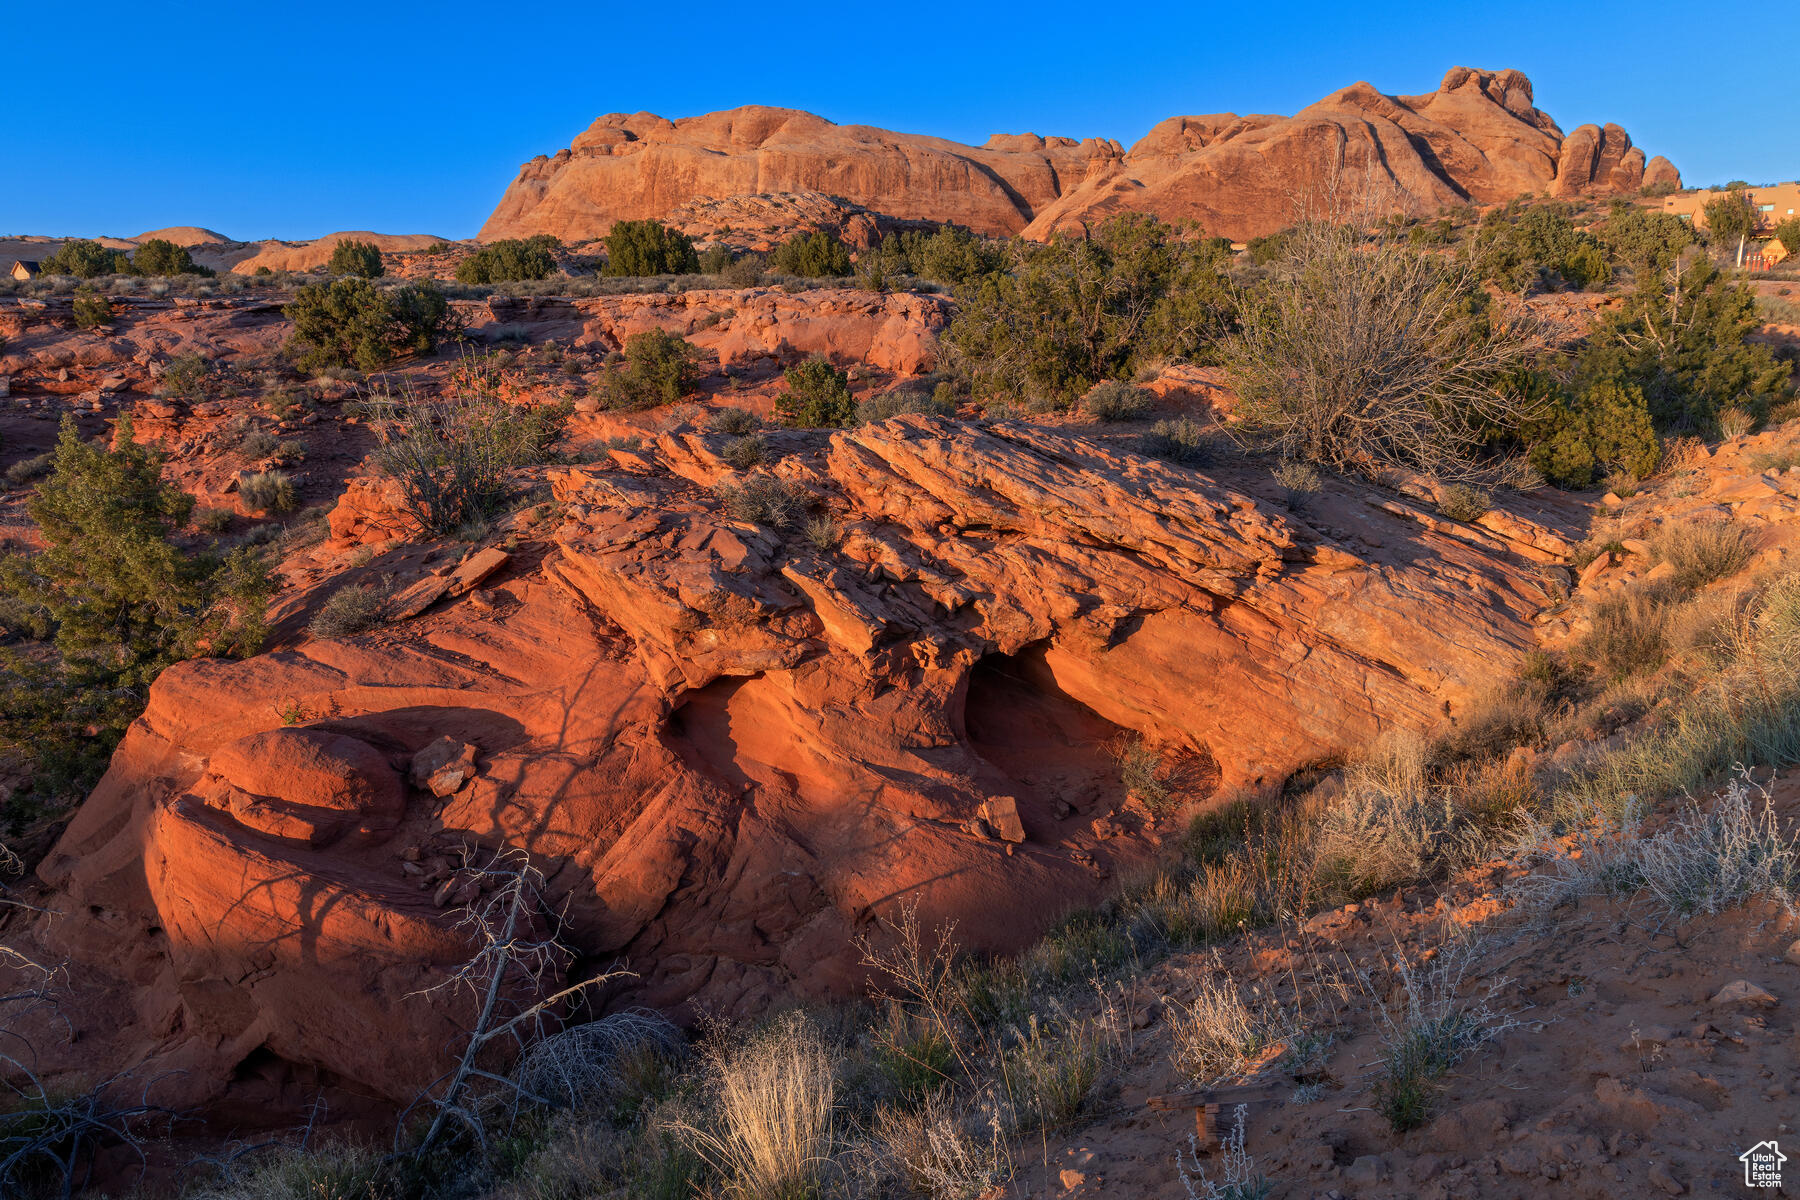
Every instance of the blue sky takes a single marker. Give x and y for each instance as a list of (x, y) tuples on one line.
[(281, 120)]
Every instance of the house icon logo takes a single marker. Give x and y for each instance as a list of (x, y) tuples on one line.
[(1762, 1165)]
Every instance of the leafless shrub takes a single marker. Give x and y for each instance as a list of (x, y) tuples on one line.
[(1238, 1177), (515, 956), (1363, 350), (573, 1066)]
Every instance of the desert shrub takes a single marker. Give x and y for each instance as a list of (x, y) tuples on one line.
[(125, 600), (159, 257), (1180, 440), (86, 259), (1521, 245), (1054, 1077), (453, 455), (747, 451), (1571, 439), (716, 259), (658, 369), (746, 271), (185, 375), (1682, 340), (736, 421), (1732, 217), (1709, 861), (351, 257), (1218, 1034), (1702, 551), (1392, 824), (773, 1108), (92, 309), (818, 396), (762, 500), (950, 255), (324, 1170), (905, 400), (212, 520), (510, 259), (824, 532), (349, 611), (1788, 234), (1298, 479), (815, 255), (1364, 351), (649, 248), (1645, 240), (1268, 248), (352, 323), (28, 469), (1113, 400), (1630, 632), (1460, 502), (268, 492), (1428, 1028), (1076, 310)]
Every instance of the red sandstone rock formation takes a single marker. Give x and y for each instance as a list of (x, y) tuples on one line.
[(731, 750), (1477, 138)]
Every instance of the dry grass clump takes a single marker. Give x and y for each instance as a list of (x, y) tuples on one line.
[(771, 1135), (1630, 632), (1298, 478), (1181, 440), (763, 500), (1460, 502), (746, 452), (268, 492), (349, 611), (1392, 825), (735, 421), (941, 1153), (1702, 551), (1113, 400), (1218, 1036), (324, 1171)]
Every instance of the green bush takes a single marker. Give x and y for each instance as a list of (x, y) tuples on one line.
[(658, 369), (716, 259), (1074, 311), (157, 256), (92, 309), (510, 259), (184, 376), (1181, 440), (1645, 240), (1788, 234), (1522, 245), (352, 323), (938, 402), (815, 255), (351, 257), (818, 397), (86, 259), (124, 598), (649, 248), (1732, 217), (1607, 425), (951, 255), (1683, 341)]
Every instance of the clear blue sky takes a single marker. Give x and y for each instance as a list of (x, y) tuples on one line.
[(291, 120)]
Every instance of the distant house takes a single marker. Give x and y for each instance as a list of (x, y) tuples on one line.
[(1774, 204), (24, 269)]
